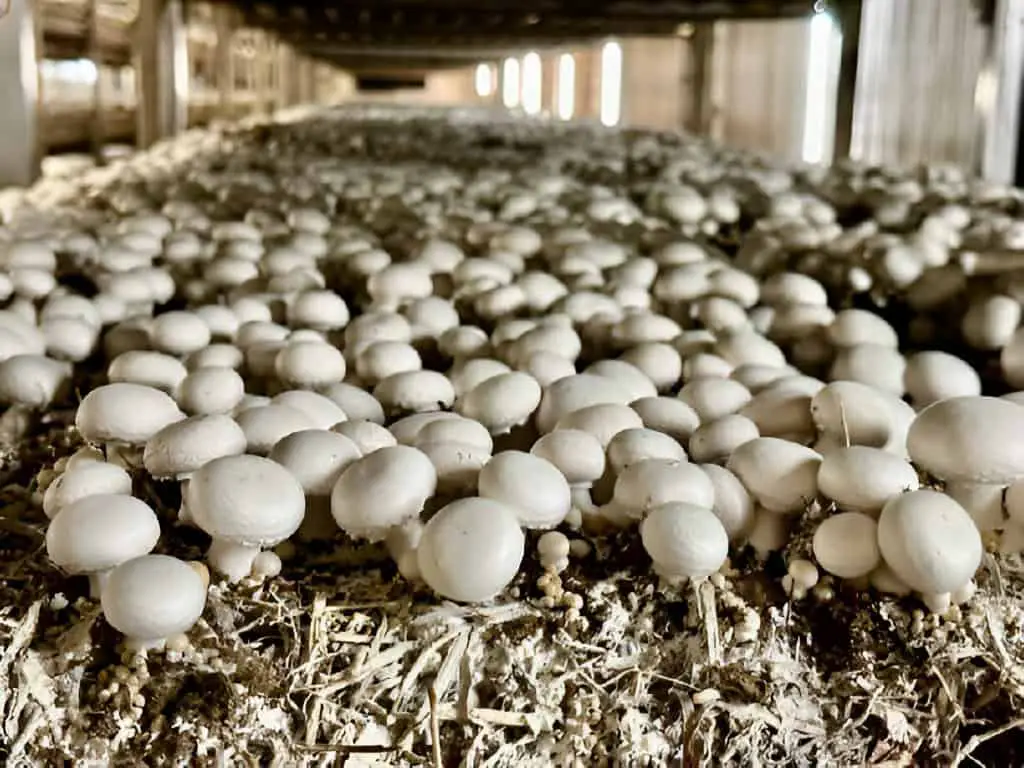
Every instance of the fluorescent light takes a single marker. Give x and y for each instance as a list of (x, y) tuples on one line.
[(510, 83), (816, 112), (484, 80), (611, 83), (532, 83), (566, 86)]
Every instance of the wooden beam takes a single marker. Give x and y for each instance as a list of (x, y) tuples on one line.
[(161, 71), (848, 17), (20, 145)]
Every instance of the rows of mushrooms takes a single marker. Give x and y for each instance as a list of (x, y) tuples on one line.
[(482, 342)]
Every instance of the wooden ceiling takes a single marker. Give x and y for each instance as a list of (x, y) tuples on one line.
[(424, 34)]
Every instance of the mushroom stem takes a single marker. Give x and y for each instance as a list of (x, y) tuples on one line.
[(231, 559), (937, 602), (97, 582), (984, 503), (184, 516), (139, 645), (125, 456), (318, 523)]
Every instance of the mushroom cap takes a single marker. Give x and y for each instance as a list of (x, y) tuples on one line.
[(98, 532), (211, 390), (684, 540), (33, 380), (863, 479), (324, 411), (415, 391), (638, 443), (265, 425), (846, 545), (652, 482), (734, 506), (575, 392), (533, 487), (355, 402), (603, 420), (82, 479), (316, 457), (782, 476), (368, 436), (125, 413), (184, 446), (471, 549), (246, 500), (970, 439), (460, 430), (929, 541), (153, 597), (578, 455), (501, 402), (382, 490)]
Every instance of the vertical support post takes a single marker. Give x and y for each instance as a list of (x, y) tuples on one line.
[(19, 94), (1000, 86), (848, 17), (161, 66), (702, 50), (96, 132), (549, 83), (222, 54)]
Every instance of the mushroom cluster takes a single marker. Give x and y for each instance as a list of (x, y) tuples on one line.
[(461, 357)]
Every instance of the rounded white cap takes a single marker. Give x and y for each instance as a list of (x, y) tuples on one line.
[(125, 413), (246, 500), (82, 479), (181, 448), (684, 540), (98, 532), (153, 597), (531, 486), (316, 458)]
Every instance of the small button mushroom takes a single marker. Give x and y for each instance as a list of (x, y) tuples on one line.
[(367, 435), (553, 549), (381, 359), (660, 362), (770, 531), (747, 347), (639, 443), (575, 392), (713, 398), (757, 378), (265, 425), (316, 458), (531, 486), (580, 457), (715, 441), (309, 364), (32, 380), (471, 550), (470, 374), (782, 476), (179, 449), (154, 369), (94, 534), (859, 326), (381, 490), (801, 577), (455, 430), (84, 478), (991, 321), (179, 333), (216, 356), (632, 379), (862, 479), (320, 310), (324, 412), (211, 391), (851, 413), (603, 420), (876, 365), (704, 365), (415, 392), (930, 542), (245, 503), (933, 376), (502, 402), (975, 445), (669, 415), (733, 505), (153, 598), (124, 414), (356, 403), (846, 545), (647, 484), (457, 465), (684, 541)]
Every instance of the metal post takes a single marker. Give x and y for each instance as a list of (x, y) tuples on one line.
[(848, 17), (1000, 89), (161, 65), (702, 46), (19, 94), (96, 137)]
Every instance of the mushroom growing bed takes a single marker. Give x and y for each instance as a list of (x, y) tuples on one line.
[(399, 437)]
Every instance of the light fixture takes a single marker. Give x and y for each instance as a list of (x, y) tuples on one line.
[(611, 84), (566, 86)]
